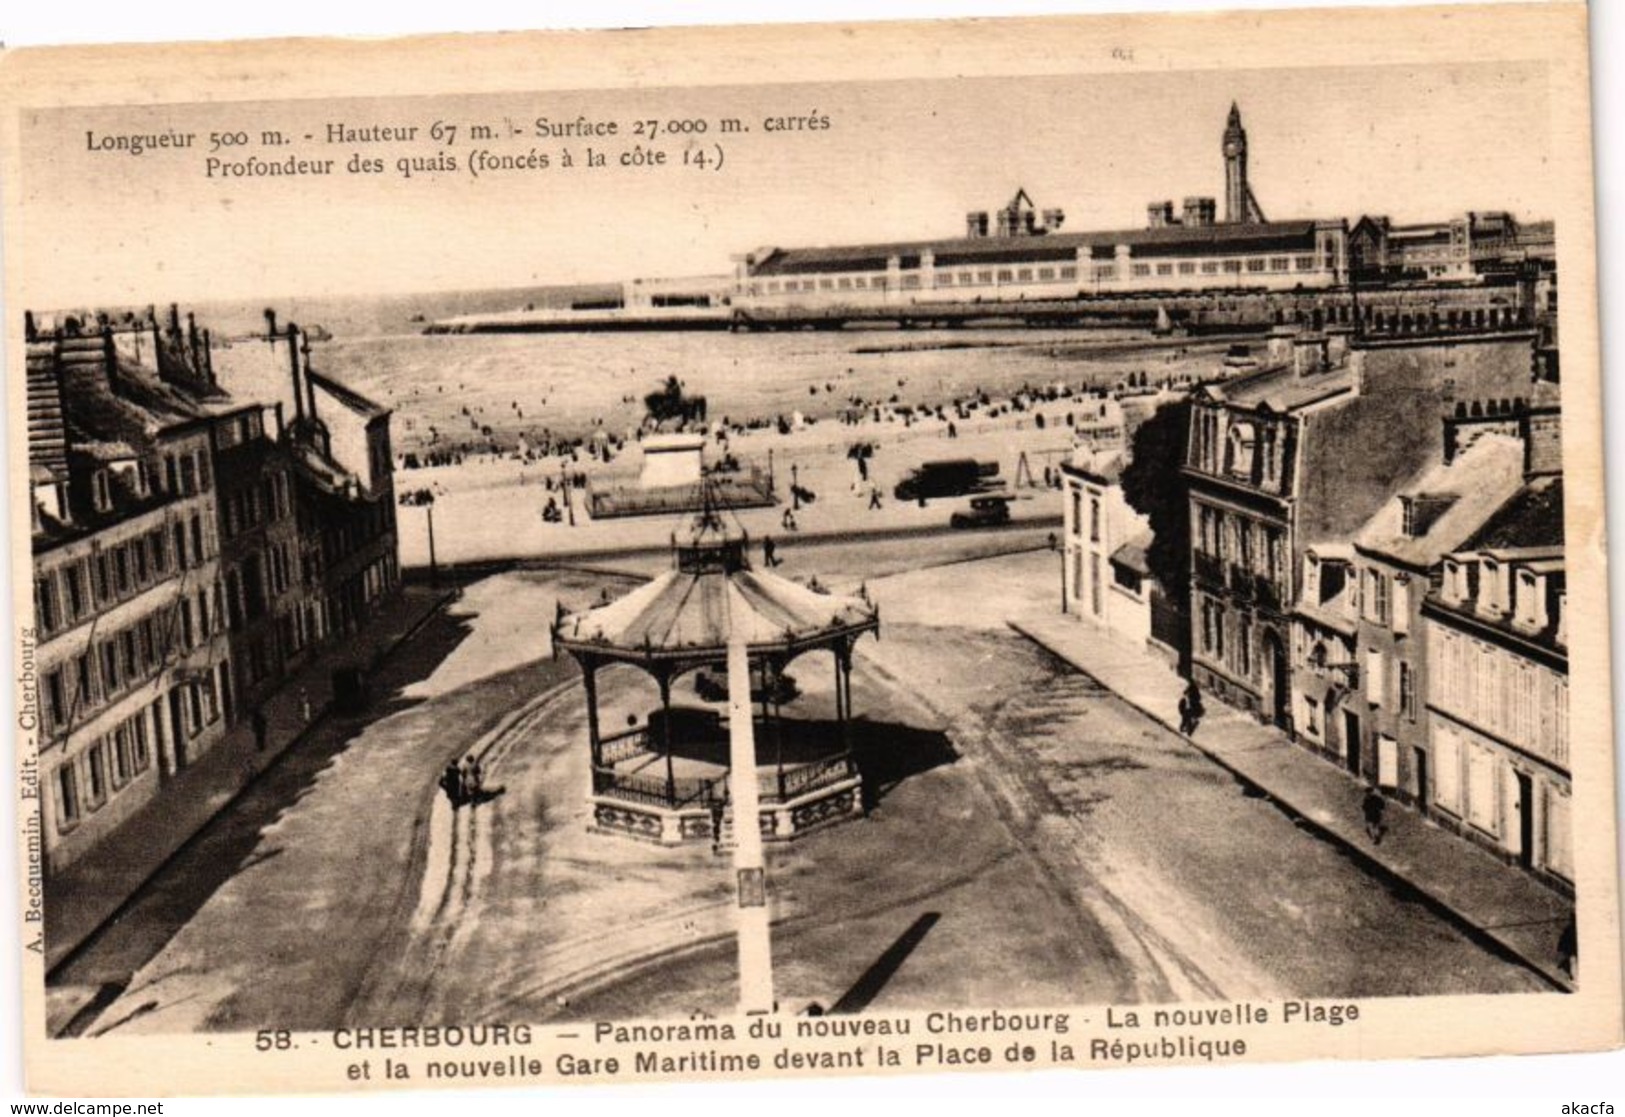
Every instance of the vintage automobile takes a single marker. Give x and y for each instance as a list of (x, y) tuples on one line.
[(983, 511)]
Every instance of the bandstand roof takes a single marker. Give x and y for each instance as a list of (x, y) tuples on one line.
[(684, 613)]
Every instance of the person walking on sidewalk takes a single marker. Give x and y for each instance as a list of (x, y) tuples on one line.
[(717, 807), (1190, 709), (1568, 949), (1374, 806), (451, 782)]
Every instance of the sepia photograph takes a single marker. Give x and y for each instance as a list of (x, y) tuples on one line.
[(699, 554)]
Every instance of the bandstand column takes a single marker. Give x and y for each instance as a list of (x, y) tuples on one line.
[(664, 678), (589, 683), (778, 725), (750, 872), (844, 662)]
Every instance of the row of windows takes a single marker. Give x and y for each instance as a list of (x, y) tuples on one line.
[(249, 427), (1375, 677), (186, 473), (1516, 700), (248, 508), (1062, 273), (1244, 450), (1094, 515), (76, 689), (86, 782), (1251, 545), (69, 594)]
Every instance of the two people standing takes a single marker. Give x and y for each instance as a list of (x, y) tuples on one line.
[(464, 784)]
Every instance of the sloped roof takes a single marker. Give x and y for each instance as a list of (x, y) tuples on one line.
[(1254, 237), (1481, 479), (1281, 389), (684, 615), (347, 395), (1532, 518)]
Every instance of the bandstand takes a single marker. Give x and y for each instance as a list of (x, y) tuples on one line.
[(667, 779)]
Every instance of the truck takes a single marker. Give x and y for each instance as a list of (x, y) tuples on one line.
[(952, 477)]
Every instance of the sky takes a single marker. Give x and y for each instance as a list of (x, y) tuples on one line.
[(899, 160)]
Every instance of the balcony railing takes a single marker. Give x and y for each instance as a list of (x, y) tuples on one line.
[(1266, 592), (1207, 569), (1241, 582)]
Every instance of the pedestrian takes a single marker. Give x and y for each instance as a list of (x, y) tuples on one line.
[(304, 707), (258, 722), (874, 498), (451, 782), (788, 520), (768, 551), (470, 781), (1190, 709), (717, 808), (1373, 806), (1568, 949)]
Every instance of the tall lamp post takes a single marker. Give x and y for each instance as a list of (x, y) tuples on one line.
[(434, 569), (750, 871)]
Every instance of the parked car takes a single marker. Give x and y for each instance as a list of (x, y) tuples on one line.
[(983, 511)]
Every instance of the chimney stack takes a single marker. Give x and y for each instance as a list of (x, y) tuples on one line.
[(293, 365), (310, 388), (30, 330), (109, 352)]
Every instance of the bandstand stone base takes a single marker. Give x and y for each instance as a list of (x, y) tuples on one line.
[(780, 821)]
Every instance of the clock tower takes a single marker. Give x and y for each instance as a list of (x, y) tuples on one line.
[(1240, 207)]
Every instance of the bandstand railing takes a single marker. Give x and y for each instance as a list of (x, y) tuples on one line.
[(694, 791), (657, 791), (623, 746), (797, 782)]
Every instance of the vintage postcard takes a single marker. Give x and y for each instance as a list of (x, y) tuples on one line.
[(824, 550)]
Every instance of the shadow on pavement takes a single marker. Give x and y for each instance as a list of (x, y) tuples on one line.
[(888, 753), (874, 979), (231, 842)]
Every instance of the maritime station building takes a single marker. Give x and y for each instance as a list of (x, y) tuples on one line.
[(1021, 253)]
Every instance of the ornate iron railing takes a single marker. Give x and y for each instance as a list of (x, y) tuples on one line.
[(799, 781), (656, 791), (623, 746)]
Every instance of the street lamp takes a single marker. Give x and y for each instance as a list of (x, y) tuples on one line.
[(750, 870), (434, 570)]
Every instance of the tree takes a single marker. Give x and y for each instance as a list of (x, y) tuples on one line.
[(1154, 486)]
